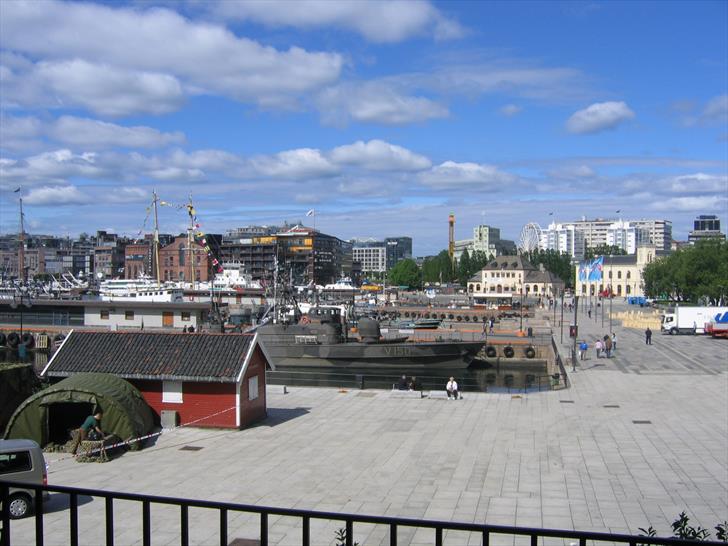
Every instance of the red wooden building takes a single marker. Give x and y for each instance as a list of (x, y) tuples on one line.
[(210, 380)]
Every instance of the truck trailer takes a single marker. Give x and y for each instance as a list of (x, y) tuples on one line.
[(689, 320)]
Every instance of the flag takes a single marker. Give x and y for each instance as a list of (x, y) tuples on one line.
[(310, 212), (551, 213), (16, 191), (620, 210)]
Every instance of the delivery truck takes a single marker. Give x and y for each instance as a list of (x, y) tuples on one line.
[(689, 320)]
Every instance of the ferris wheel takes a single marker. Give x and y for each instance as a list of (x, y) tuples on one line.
[(530, 237)]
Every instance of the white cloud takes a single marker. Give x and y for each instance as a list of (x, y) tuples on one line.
[(109, 59), (376, 102), (571, 172), (697, 183), (690, 204), (451, 174), (19, 133), (295, 164), (128, 195), (94, 134), (391, 21), (55, 166), (716, 110), (599, 117), (510, 110), (377, 155), (56, 195)]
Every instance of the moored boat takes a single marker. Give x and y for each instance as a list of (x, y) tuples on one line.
[(319, 340)]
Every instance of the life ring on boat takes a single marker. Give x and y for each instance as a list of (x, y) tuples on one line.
[(459, 318), (490, 351), (467, 318), (304, 320), (13, 340), (28, 340), (530, 352), (508, 351)]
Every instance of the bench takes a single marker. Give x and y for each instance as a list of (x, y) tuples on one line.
[(396, 393), (438, 394), (276, 389), (443, 395)]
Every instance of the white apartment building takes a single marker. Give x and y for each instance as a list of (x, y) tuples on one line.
[(601, 231), (373, 257), (563, 238), (623, 235), (486, 239)]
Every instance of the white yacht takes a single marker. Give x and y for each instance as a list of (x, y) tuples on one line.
[(142, 289)]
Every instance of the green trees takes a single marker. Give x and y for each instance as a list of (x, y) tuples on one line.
[(406, 273), (558, 263), (438, 268), (603, 250), (697, 274)]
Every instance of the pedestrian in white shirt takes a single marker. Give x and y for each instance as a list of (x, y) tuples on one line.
[(452, 389)]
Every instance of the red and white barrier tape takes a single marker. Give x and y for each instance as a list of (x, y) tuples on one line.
[(138, 438)]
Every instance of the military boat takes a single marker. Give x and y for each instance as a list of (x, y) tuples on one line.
[(319, 339)]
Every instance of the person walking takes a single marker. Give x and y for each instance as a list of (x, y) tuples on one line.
[(648, 336), (583, 347), (491, 324), (599, 346), (614, 342), (608, 346)]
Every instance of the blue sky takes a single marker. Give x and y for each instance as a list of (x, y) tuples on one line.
[(382, 116)]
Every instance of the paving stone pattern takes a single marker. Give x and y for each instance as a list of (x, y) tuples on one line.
[(645, 437)]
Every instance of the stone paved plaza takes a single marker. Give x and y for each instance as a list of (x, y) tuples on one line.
[(634, 441)]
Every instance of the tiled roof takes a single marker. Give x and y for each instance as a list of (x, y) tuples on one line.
[(543, 276), (142, 355), (514, 263)]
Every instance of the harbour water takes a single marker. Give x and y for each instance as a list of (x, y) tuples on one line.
[(479, 377)]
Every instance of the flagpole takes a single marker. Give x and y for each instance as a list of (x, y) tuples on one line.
[(21, 243)]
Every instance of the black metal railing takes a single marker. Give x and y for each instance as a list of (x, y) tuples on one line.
[(305, 516)]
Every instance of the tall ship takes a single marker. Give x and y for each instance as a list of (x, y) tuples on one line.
[(319, 339)]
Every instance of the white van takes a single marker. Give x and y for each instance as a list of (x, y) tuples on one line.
[(22, 461)]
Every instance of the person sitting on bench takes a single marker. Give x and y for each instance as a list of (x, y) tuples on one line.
[(452, 389), (402, 385)]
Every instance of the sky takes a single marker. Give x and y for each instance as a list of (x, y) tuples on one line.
[(383, 117)]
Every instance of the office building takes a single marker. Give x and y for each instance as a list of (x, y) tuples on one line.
[(706, 226), (565, 238)]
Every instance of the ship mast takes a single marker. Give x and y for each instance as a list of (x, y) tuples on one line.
[(21, 244), (156, 238), (190, 241)]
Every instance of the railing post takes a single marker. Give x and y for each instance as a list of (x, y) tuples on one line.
[(184, 525), (146, 523), (582, 542), (38, 516), (349, 533), (4, 495), (306, 532), (263, 529), (534, 540), (438, 536), (73, 516), (392, 534), (109, 521), (223, 527), (486, 538)]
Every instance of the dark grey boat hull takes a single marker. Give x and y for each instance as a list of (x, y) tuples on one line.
[(284, 352)]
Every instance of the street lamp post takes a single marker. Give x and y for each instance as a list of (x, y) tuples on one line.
[(21, 300), (521, 328), (562, 316), (576, 334)]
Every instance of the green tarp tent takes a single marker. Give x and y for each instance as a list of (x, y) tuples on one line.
[(50, 414)]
